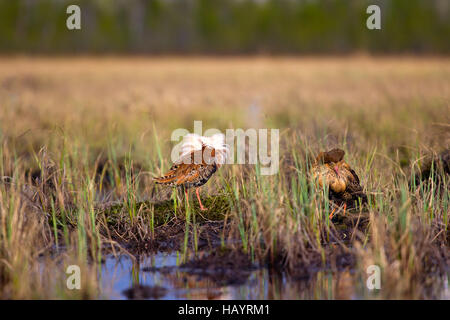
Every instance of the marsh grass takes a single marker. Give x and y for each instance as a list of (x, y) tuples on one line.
[(76, 170)]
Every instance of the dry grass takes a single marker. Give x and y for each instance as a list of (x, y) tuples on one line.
[(105, 126)]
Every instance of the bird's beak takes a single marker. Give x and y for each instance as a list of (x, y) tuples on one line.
[(336, 169)]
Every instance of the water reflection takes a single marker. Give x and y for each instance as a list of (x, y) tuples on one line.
[(161, 271)]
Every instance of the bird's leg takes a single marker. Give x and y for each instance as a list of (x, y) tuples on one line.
[(332, 212), (345, 207), (187, 197), (198, 197)]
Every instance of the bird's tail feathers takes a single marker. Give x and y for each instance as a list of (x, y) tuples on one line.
[(167, 179)]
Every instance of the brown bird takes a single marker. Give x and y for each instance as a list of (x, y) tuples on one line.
[(343, 183), (200, 159)]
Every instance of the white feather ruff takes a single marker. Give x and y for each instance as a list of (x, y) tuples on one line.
[(191, 142), (194, 142)]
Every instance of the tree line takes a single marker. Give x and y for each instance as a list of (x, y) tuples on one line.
[(224, 27)]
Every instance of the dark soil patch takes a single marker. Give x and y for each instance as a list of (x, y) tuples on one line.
[(306, 267), (138, 292), (224, 267), (170, 237), (350, 222)]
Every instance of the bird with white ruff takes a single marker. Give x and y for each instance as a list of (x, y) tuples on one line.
[(200, 158)]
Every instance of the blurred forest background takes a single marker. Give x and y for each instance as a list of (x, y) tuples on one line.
[(224, 27)]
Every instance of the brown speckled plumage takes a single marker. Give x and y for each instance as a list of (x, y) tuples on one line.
[(187, 172)]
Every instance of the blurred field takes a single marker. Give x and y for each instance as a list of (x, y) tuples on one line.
[(387, 113), (386, 102)]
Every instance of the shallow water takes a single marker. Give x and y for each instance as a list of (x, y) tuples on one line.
[(119, 274)]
